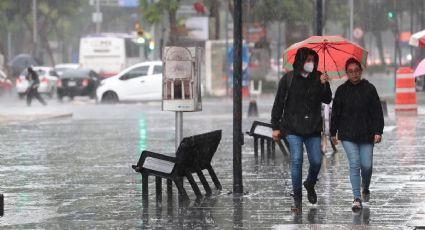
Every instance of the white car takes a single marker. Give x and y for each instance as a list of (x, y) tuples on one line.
[(48, 78), (60, 68), (140, 82)]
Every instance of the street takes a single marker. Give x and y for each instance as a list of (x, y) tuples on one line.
[(74, 172)]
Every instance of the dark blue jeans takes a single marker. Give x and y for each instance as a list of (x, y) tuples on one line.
[(314, 154)]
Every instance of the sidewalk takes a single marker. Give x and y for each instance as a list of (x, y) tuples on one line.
[(77, 175)]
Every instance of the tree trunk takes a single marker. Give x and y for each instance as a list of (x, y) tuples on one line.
[(48, 49), (214, 13), (231, 8), (173, 25)]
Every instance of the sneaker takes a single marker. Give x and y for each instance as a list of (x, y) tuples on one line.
[(357, 205), (366, 195), (296, 206), (311, 193)]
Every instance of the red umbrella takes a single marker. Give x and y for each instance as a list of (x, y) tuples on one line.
[(333, 53)]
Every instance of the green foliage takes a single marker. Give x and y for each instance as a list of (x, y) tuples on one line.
[(152, 11)]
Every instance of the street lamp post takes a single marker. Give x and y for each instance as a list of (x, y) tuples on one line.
[(237, 99)]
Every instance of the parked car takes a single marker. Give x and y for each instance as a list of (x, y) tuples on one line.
[(5, 84), (140, 82), (48, 78), (60, 68), (77, 82)]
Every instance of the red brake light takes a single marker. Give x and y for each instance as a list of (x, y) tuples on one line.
[(45, 80), (18, 80), (59, 83), (85, 82)]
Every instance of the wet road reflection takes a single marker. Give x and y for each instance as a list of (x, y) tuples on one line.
[(76, 173)]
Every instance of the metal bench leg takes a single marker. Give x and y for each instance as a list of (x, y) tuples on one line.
[(169, 189), (262, 149), (204, 182), (192, 183), (255, 147), (269, 149), (158, 184), (180, 188), (214, 177), (145, 188)]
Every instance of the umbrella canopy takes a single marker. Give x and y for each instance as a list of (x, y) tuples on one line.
[(333, 52), (418, 39), (420, 69), (20, 62)]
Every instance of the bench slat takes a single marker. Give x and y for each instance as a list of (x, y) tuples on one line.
[(158, 165)]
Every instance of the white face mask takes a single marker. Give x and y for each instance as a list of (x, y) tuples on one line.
[(308, 67)]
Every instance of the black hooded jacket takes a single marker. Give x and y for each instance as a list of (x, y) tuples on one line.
[(300, 113), (33, 78), (356, 112)]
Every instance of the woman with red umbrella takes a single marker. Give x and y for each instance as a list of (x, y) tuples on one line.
[(357, 120), (296, 115)]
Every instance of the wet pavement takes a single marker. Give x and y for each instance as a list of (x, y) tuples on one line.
[(75, 173)]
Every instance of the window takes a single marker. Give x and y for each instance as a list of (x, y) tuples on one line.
[(41, 72), (157, 69), (53, 73), (137, 72)]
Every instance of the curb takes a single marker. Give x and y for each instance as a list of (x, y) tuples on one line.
[(40, 117)]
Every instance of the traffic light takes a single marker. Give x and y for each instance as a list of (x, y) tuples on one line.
[(140, 33), (390, 14), (139, 30), (151, 45)]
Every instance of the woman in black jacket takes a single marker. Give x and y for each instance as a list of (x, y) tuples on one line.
[(357, 120), (297, 112)]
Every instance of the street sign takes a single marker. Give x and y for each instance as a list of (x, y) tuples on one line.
[(97, 17), (120, 3), (357, 33), (128, 3), (181, 79)]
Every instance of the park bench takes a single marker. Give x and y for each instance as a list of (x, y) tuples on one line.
[(262, 132), (193, 155)]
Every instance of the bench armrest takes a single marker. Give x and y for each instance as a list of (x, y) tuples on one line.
[(146, 154)]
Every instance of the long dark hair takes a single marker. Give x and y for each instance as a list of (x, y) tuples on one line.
[(301, 57)]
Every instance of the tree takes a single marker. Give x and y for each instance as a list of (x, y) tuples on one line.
[(372, 17), (153, 11), (52, 17)]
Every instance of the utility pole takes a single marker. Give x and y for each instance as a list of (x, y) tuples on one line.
[(411, 32), (226, 21), (34, 27), (279, 38), (98, 17), (351, 19), (237, 99), (319, 17)]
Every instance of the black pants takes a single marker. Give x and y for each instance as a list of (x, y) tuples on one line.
[(33, 92)]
